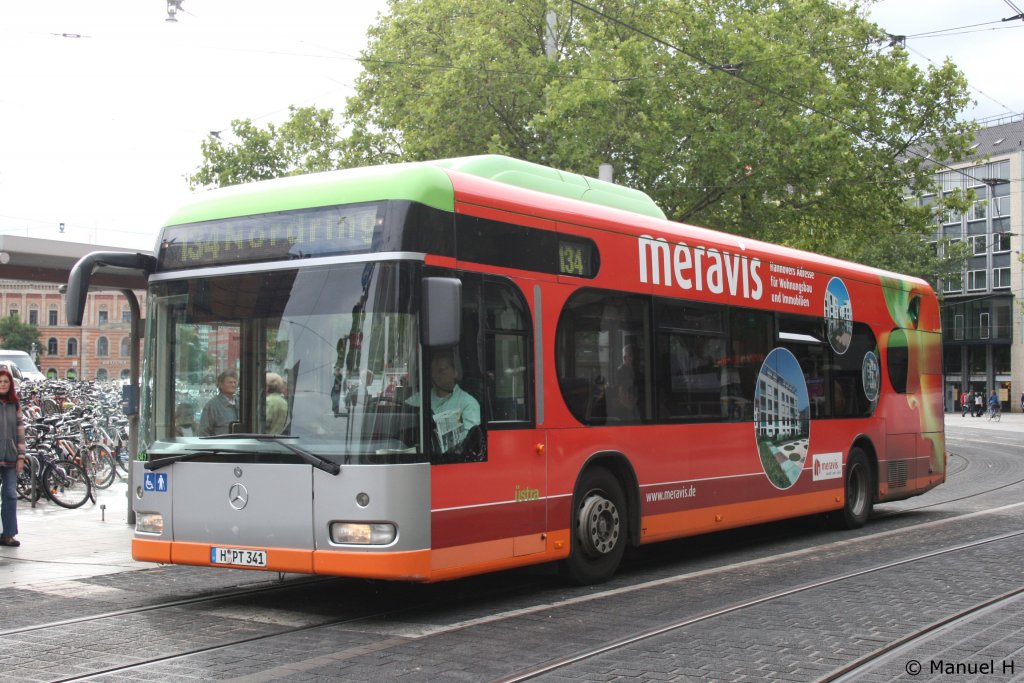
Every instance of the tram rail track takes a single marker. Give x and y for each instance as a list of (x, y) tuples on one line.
[(181, 602), (854, 670)]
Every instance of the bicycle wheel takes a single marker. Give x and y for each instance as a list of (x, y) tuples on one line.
[(28, 480), (50, 407), (66, 483), (100, 465), (121, 461)]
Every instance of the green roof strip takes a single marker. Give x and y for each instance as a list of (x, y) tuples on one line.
[(418, 182), (424, 182), (532, 176)]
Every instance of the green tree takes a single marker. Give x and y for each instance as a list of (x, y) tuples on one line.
[(306, 143), (793, 121), (18, 336)]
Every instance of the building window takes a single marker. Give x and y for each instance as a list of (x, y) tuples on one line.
[(983, 326), (978, 210), (126, 315), (958, 326), (51, 346), (125, 347), (15, 313), (33, 316), (954, 283), (101, 375), (1001, 206), (977, 280), (103, 316), (952, 181), (72, 347), (1000, 242), (978, 244), (52, 317), (102, 347), (1001, 278)]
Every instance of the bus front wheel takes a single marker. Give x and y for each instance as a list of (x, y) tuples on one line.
[(599, 526), (859, 493)]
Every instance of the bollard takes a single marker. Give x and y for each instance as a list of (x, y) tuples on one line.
[(103, 513)]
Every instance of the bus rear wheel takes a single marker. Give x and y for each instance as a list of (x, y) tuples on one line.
[(859, 493), (599, 526)]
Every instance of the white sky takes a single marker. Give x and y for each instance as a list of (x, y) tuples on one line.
[(97, 132)]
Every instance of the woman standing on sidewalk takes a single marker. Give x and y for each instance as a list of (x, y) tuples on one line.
[(12, 457)]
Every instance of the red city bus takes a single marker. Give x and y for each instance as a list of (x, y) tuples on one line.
[(489, 363)]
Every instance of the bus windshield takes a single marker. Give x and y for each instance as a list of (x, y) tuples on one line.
[(324, 358)]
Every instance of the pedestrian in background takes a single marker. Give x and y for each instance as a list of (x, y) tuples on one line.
[(12, 457), (965, 403)]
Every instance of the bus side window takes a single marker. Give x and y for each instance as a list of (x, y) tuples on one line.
[(507, 352)]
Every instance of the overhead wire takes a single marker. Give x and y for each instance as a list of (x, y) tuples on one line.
[(972, 87)]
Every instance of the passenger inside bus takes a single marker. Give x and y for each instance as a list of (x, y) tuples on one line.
[(184, 419), (628, 386), (277, 405)]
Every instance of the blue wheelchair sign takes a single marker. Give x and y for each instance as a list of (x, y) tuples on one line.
[(155, 482)]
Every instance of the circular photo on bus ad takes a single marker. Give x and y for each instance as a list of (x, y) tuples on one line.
[(782, 420), (838, 316)]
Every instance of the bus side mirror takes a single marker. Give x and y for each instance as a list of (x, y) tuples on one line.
[(441, 317)]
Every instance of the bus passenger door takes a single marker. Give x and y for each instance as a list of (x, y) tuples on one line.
[(494, 505), (518, 447)]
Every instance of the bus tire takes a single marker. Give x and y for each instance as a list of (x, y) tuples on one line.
[(859, 493), (598, 531)]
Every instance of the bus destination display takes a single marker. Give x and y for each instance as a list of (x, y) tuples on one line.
[(322, 231)]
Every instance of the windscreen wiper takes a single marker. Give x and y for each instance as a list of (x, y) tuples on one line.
[(182, 457), (313, 459)]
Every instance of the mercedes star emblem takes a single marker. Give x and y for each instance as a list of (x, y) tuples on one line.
[(238, 496)]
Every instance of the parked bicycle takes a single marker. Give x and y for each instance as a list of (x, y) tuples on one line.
[(64, 482), (78, 423)]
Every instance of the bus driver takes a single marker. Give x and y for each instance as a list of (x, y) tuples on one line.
[(455, 411)]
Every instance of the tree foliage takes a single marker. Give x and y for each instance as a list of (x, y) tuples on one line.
[(306, 143), (792, 121), (18, 336)]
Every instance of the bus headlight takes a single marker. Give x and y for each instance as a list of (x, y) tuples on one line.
[(360, 533), (149, 522)]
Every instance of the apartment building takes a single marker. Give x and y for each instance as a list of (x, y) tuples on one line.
[(983, 331)]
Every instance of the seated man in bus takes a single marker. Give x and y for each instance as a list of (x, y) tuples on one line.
[(221, 410), (455, 411)]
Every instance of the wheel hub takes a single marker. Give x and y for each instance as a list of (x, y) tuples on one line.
[(599, 525)]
